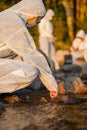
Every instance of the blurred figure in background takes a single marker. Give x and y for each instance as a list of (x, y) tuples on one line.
[(46, 38), (79, 46)]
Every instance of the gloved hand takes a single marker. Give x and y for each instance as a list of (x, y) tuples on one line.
[(52, 39), (53, 94)]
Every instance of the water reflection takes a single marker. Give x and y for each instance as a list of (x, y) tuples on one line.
[(66, 112)]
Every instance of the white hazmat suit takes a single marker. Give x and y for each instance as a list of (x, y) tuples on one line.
[(79, 46), (46, 31), (15, 38)]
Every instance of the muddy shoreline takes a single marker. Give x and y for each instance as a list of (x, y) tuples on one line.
[(67, 112), (34, 110)]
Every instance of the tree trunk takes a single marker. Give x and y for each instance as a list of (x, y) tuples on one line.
[(81, 10), (69, 17)]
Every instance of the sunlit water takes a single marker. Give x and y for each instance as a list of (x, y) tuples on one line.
[(64, 113)]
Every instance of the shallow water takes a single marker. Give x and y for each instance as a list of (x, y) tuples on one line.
[(67, 112)]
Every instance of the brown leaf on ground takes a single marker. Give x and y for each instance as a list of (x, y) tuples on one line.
[(61, 88), (44, 100), (79, 86), (12, 99)]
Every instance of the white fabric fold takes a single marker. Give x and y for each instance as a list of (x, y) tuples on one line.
[(15, 36)]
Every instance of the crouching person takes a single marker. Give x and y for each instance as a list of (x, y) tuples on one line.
[(16, 40), (79, 46)]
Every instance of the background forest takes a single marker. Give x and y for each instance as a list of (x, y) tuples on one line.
[(70, 16)]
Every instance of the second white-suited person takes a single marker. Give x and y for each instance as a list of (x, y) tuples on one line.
[(46, 38)]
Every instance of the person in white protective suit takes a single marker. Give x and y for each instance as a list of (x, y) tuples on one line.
[(79, 46), (16, 40), (46, 38)]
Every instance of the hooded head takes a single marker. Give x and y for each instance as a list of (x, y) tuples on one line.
[(30, 9), (80, 34), (49, 14)]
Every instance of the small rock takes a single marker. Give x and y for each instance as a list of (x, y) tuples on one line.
[(72, 68)]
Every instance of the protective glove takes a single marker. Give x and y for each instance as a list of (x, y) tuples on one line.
[(53, 94)]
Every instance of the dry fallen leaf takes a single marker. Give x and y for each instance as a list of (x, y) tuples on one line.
[(44, 100), (12, 99)]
